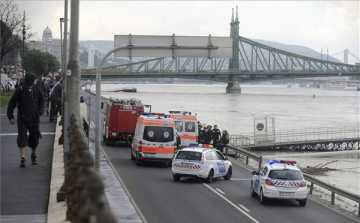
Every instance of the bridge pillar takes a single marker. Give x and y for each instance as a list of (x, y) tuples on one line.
[(233, 87)]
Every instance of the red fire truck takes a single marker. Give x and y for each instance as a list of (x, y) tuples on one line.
[(120, 119)]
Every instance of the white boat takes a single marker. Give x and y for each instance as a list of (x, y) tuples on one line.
[(341, 87)]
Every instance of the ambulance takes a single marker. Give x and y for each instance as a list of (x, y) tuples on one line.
[(186, 125), (154, 139)]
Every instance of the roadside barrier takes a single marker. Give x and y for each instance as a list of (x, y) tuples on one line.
[(334, 190), (85, 191)]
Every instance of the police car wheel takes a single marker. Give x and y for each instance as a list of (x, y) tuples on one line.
[(210, 177), (302, 202), (176, 177), (253, 193), (263, 199), (228, 174)]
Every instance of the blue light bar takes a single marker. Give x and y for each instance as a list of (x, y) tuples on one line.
[(193, 144), (271, 161)]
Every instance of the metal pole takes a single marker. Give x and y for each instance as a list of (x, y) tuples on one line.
[(61, 46), (73, 68), (23, 32)]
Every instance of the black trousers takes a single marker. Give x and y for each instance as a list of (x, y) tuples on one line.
[(34, 134), (53, 108)]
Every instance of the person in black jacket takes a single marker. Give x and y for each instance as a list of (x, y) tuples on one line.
[(55, 100), (30, 102), (215, 135)]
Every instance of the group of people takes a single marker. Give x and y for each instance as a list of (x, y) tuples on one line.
[(29, 98), (209, 135)]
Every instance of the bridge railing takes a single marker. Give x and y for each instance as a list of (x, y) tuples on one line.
[(313, 181), (297, 136)]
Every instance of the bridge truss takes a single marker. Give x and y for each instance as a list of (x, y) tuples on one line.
[(257, 62)]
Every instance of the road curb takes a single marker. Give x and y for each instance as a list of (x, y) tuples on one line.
[(57, 210)]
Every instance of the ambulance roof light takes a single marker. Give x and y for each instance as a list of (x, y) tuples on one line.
[(179, 112), (152, 113)]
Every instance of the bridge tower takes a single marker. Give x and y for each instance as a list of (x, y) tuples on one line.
[(234, 85), (346, 56)]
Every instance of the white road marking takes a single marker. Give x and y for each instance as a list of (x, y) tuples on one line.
[(238, 179), (227, 200), (220, 191), (15, 134), (243, 207)]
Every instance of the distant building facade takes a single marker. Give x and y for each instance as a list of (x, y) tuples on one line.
[(48, 44)]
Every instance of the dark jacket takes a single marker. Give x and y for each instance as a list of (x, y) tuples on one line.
[(215, 134), (225, 138), (56, 92), (30, 102)]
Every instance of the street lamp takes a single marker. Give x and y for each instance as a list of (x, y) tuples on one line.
[(61, 43)]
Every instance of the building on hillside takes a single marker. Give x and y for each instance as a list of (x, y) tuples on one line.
[(48, 44)]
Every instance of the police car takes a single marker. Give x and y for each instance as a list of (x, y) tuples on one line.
[(279, 179), (201, 161)]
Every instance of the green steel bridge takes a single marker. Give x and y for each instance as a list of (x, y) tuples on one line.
[(251, 61)]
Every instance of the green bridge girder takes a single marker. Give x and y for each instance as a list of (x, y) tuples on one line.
[(252, 61)]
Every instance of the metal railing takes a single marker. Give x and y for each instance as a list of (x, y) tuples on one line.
[(334, 190), (302, 135), (85, 189)]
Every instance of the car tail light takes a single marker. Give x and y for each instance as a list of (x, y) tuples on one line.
[(140, 147), (268, 182), (303, 184)]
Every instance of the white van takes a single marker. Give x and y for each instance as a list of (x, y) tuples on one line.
[(154, 139), (186, 125)]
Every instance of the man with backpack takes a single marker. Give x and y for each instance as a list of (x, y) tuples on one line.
[(30, 102)]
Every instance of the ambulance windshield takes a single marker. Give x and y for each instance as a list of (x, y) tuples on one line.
[(158, 134)]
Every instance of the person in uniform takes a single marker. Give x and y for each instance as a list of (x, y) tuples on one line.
[(215, 135), (225, 139)]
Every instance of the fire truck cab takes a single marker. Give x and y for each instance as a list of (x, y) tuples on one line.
[(120, 119), (186, 125), (154, 139)]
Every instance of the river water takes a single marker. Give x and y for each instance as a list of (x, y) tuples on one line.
[(292, 108)]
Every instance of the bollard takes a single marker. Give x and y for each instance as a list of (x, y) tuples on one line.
[(247, 160), (332, 197), (260, 161), (311, 188), (236, 155)]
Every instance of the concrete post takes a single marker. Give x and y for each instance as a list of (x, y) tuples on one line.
[(73, 68)]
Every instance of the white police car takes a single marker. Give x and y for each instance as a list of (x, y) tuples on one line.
[(203, 162), (279, 179)]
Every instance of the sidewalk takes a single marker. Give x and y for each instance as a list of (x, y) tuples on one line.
[(25, 191)]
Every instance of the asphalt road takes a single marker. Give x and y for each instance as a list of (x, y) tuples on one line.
[(161, 199)]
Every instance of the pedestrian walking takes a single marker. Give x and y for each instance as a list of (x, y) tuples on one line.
[(55, 100), (30, 102), (215, 135)]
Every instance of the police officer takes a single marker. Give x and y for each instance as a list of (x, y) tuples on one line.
[(207, 135), (225, 139), (215, 135)]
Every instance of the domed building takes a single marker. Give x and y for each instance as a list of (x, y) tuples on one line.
[(48, 44), (47, 34)]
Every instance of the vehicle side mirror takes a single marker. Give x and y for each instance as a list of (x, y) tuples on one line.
[(102, 105), (254, 173), (226, 158)]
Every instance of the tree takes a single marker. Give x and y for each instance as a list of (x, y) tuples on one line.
[(12, 24), (40, 63)]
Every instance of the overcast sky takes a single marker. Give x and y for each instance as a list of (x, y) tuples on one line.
[(315, 24)]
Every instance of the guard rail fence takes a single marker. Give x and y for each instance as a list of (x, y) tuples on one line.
[(85, 190), (333, 189)]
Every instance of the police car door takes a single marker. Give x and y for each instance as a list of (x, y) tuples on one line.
[(214, 160), (190, 133), (220, 162), (256, 180)]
